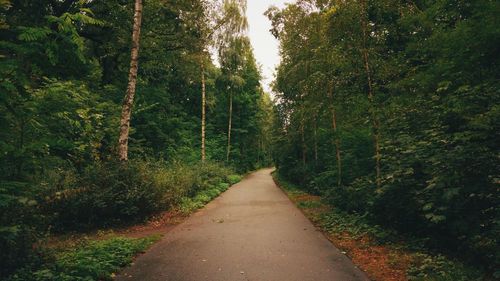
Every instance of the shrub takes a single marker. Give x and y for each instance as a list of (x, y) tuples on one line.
[(233, 179), (356, 198), (105, 193), (18, 225), (110, 193)]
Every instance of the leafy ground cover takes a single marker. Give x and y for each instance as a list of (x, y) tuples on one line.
[(381, 253), (190, 204), (91, 260)]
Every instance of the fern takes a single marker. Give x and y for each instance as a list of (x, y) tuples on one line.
[(51, 52), (31, 34), (68, 25), (86, 19)]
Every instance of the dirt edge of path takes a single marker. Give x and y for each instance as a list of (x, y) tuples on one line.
[(378, 262)]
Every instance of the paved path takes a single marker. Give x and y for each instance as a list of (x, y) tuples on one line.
[(251, 232)]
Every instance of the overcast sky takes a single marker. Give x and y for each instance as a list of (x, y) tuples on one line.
[(264, 44)]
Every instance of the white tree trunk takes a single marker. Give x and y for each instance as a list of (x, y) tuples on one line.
[(203, 112), (132, 81), (229, 126)]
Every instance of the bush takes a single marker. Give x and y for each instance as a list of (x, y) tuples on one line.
[(103, 194), (112, 193), (356, 198), (232, 179)]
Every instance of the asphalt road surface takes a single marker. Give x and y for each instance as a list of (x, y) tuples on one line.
[(251, 232)]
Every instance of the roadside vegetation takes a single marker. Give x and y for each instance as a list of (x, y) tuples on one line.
[(90, 260), (105, 197), (382, 253)]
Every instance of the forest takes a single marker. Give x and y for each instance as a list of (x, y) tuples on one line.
[(67, 79), (113, 111), (391, 110)]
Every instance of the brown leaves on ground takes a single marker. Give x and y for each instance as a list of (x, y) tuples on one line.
[(158, 224), (379, 262)]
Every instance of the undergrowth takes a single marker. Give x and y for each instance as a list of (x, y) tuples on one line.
[(424, 265), (101, 196), (190, 204), (93, 260)]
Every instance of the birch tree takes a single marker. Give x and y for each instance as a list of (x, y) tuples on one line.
[(128, 101)]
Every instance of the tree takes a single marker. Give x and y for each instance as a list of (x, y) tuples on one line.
[(132, 82), (230, 45), (213, 28)]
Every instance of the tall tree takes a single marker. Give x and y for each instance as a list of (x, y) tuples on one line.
[(132, 82), (231, 46), (365, 25), (215, 31)]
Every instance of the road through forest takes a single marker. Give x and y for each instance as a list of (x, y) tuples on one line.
[(251, 232)]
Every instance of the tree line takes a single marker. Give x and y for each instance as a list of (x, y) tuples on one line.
[(50, 43), (390, 109)]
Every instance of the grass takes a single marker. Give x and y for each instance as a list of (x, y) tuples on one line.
[(234, 179), (380, 252), (92, 260), (190, 204)]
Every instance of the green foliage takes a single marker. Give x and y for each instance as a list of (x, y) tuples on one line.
[(232, 179), (418, 79), (111, 193), (219, 184), (439, 268), (104, 194), (19, 220), (424, 266), (95, 260), (309, 204)]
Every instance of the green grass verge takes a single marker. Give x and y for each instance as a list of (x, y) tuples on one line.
[(190, 204), (93, 260)]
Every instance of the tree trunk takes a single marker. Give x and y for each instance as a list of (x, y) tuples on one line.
[(375, 121), (337, 139), (229, 126), (303, 140), (315, 140), (132, 81), (203, 111)]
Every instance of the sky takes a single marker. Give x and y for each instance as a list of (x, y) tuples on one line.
[(266, 47)]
